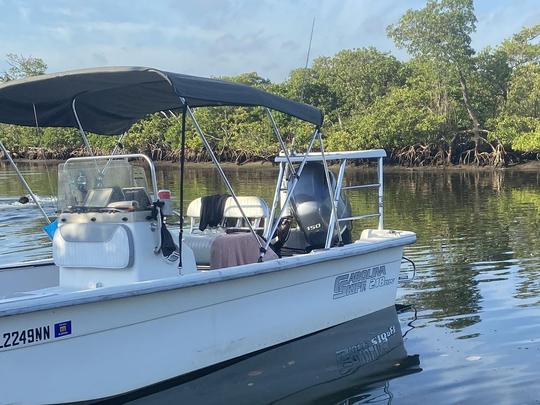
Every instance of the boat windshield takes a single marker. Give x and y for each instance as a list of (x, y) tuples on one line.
[(102, 185)]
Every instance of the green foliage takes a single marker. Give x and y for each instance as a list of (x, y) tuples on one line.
[(307, 86), (441, 31), (520, 133), (490, 84), (57, 138), (401, 117), (524, 92), (518, 125), (528, 141), (21, 67), (521, 49), (357, 77)]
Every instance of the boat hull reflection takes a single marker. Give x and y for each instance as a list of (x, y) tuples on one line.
[(356, 358)]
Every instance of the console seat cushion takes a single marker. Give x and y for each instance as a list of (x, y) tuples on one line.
[(95, 245)]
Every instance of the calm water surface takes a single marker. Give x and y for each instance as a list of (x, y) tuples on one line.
[(472, 333)]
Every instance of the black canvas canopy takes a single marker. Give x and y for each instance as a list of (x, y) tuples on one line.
[(109, 100)]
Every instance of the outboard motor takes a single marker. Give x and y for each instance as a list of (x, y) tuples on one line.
[(311, 206)]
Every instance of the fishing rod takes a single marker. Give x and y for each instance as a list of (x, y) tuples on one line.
[(307, 61)]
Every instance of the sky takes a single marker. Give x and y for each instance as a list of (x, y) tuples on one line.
[(220, 37)]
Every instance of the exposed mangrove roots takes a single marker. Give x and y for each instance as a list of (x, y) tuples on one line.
[(459, 152)]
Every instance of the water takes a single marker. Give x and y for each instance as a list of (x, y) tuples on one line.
[(472, 333)]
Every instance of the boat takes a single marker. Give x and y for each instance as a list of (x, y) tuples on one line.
[(348, 363), (123, 304)]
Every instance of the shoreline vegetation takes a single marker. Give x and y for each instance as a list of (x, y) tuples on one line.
[(447, 106), (390, 165)]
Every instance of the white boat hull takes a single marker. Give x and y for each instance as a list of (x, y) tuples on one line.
[(119, 341), (330, 366)]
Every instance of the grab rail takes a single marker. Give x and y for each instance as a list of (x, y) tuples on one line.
[(361, 186), (342, 157), (353, 218)]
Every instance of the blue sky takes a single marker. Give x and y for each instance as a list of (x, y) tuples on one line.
[(220, 37)]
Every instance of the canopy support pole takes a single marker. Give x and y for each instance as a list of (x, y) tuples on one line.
[(225, 180), (277, 191), (380, 192), (36, 120), (182, 161), (289, 193), (281, 143), (118, 144), (114, 151), (24, 183), (330, 234), (81, 130)]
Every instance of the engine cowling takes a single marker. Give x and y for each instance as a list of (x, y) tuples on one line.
[(311, 207)]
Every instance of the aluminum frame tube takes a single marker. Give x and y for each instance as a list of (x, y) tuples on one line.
[(36, 119), (113, 153), (118, 142), (381, 190), (223, 176), (357, 217), (24, 183), (274, 202), (281, 142), (335, 198), (81, 130), (334, 213), (374, 185)]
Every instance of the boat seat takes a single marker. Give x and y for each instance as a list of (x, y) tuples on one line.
[(255, 209), (201, 244), (218, 249)]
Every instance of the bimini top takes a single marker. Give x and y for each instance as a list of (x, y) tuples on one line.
[(109, 100)]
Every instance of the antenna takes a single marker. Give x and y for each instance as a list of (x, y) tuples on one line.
[(307, 60)]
